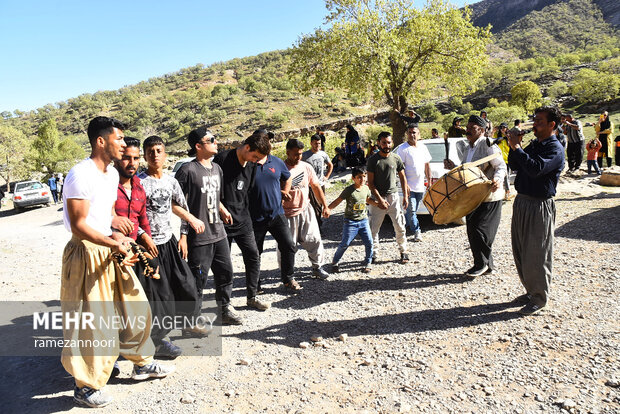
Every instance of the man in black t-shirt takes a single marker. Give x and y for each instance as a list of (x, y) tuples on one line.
[(238, 167), (201, 182)]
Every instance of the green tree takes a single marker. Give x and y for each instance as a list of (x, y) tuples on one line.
[(13, 152), (505, 113), (526, 94), (559, 88), (50, 152), (593, 86), (392, 50), (429, 112)]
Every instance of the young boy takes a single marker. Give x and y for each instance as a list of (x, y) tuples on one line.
[(164, 197), (357, 196)]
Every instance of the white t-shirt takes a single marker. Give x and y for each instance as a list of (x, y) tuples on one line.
[(414, 159), (86, 182)]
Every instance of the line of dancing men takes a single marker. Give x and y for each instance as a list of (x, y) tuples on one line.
[(241, 194)]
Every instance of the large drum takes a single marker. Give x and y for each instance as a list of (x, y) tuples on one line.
[(458, 192)]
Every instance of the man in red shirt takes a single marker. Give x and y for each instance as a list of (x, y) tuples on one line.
[(131, 220)]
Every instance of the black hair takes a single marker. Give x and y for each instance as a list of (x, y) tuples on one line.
[(151, 142), (269, 134), (132, 142), (315, 137), (552, 112), (382, 135), (357, 171), (517, 122), (102, 126), (435, 130), (294, 143), (259, 142)]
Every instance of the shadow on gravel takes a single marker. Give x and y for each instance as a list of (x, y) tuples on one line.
[(340, 290), (600, 226), (28, 382), (298, 330)]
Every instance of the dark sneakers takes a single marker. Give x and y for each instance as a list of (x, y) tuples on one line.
[(531, 309), (475, 272), (404, 258), (91, 397), (167, 350), (522, 300)]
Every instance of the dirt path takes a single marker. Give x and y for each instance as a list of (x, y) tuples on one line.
[(421, 338)]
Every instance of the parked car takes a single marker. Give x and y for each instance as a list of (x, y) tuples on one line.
[(437, 148), (31, 193)]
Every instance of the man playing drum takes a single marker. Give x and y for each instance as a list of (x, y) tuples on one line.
[(482, 223)]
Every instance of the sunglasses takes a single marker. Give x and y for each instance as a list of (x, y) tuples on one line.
[(209, 140)]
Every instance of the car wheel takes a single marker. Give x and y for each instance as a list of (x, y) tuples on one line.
[(17, 209)]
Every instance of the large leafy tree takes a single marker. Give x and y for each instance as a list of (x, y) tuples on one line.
[(392, 50), (13, 150), (50, 152)]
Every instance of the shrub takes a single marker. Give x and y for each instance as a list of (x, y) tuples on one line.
[(526, 94)]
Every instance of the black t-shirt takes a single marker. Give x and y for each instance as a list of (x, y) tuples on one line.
[(202, 187), (235, 187)]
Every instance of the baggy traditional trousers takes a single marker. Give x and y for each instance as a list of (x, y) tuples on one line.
[(92, 282), (533, 222), (396, 213), (305, 231)]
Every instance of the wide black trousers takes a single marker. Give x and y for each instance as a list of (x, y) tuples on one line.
[(182, 284), (482, 226)]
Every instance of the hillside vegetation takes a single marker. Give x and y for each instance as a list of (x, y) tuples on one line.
[(566, 48)]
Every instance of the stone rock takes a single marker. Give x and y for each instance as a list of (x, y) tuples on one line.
[(343, 337), (244, 361), (367, 361), (187, 399), (304, 345), (568, 404), (316, 338)]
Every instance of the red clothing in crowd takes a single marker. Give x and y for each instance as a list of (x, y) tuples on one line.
[(134, 208), (593, 149)]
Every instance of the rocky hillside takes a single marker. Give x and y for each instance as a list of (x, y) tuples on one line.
[(503, 13)]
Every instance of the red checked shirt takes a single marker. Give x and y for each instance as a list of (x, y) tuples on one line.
[(134, 208)]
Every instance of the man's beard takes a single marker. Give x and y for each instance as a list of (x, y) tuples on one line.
[(385, 150), (124, 173)]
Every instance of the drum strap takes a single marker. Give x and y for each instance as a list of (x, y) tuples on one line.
[(481, 160)]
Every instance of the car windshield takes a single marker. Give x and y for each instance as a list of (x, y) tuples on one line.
[(178, 165), (437, 151), (28, 186)]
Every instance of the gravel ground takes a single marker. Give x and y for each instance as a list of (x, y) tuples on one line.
[(406, 338)]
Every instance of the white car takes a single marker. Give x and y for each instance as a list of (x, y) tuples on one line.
[(179, 164), (31, 193), (437, 148)]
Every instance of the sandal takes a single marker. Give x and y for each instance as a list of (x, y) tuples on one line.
[(293, 286)]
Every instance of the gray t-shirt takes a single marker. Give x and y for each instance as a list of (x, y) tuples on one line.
[(160, 192), (385, 170), (318, 160)]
